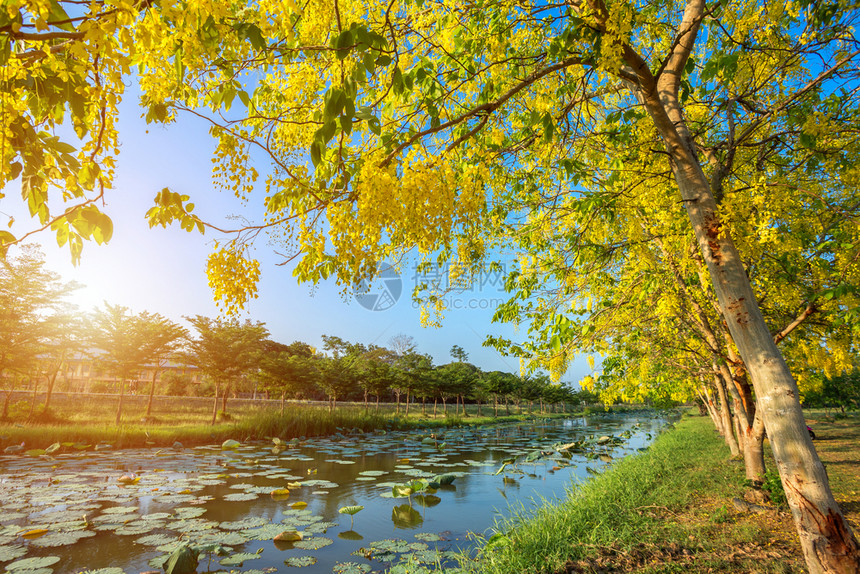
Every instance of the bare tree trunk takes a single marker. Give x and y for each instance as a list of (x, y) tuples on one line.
[(215, 405), (224, 398), (151, 393), (495, 405), (708, 401), (50, 391), (119, 406), (6, 401), (435, 402), (753, 448), (825, 536), (726, 415), (407, 403), (33, 398), (283, 402)]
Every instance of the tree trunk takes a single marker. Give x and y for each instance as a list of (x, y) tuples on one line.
[(151, 393), (406, 414), (6, 400), (119, 406), (50, 391), (495, 405), (224, 398), (726, 416), (215, 405), (708, 401), (377, 404), (825, 536), (33, 398), (435, 402), (283, 402), (752, 442)]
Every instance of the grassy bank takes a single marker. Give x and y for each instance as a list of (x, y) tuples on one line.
[(670, 510), (89, 421)]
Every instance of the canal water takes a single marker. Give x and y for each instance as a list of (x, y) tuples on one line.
[(265, 507)]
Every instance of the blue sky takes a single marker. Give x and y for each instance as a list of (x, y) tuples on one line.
[(162, 270)]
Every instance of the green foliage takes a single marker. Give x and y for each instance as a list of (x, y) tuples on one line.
[(773, 486), (183, 560), (842, 391), (175, 384)]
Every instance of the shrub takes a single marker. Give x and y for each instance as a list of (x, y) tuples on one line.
[(773, 486)]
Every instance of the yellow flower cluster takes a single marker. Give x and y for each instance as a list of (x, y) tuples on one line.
[(232, 277)]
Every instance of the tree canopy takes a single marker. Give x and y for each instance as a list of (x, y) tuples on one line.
[(578, 130)]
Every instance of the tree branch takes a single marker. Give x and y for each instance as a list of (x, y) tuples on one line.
[(482, 109)]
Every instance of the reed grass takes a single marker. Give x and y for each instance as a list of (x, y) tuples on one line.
[(188, 420)]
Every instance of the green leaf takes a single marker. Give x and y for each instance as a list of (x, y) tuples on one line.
[(351, 510), (183, 560), (254, 35), (397, 81), (343, 44), (334, 104), (57, 14), (374, 125), (316, 153)]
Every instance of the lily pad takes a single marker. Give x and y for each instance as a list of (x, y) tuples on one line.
[(300, 561), (241, 497), (62, 538), (314, 543), (156, 539), (32, 563), (238, 559), (428, 537), (246, 524), (11, 552), (119, 510), (351, 568)]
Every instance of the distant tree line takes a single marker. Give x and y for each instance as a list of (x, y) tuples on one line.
[(41, 334)]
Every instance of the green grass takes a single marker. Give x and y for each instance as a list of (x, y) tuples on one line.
[(666, 510), (621, 509), (187, 420)]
